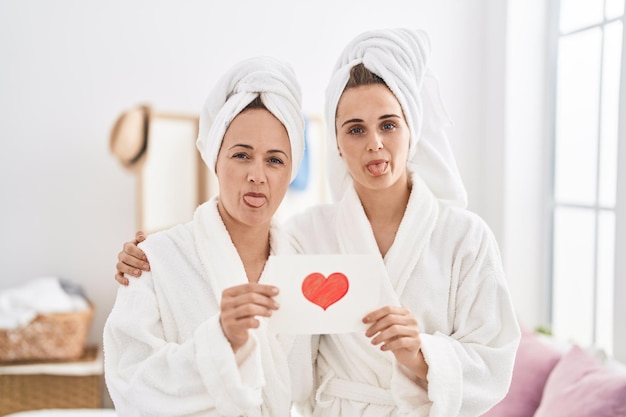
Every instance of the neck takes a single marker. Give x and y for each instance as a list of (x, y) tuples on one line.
[(384, 210), (252, 244)]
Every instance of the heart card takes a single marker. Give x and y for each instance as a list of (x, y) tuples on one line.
[(324, 294)]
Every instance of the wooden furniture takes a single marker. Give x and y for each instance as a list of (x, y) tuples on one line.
[(160, 148), (45, 385)]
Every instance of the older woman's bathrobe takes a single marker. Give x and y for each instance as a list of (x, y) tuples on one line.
[(445, 266), (165, 352)]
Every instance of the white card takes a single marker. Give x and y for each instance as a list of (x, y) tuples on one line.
[(324, 294)]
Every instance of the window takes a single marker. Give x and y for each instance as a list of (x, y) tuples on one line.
[(584, 189)]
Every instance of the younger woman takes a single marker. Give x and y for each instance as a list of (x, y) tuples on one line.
[(445, 344)]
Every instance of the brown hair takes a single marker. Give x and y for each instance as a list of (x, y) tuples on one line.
[(359, 75), (257, 103)]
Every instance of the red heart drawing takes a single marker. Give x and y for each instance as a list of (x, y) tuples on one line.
[(323, 291)]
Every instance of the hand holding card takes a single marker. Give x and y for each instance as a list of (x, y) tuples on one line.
[(323, 294)]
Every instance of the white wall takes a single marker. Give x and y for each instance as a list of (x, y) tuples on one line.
[(70, 67), (525, 156)]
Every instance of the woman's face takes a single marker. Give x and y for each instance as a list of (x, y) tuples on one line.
[(373, 137), (253, 167)]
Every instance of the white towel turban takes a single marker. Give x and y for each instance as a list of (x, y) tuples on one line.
[(400, 58), (271, 80)]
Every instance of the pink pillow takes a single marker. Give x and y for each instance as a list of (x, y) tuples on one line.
[(534, 361), (580, 386)]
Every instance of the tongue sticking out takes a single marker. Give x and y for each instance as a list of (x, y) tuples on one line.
[(254, 201), (377, 169)]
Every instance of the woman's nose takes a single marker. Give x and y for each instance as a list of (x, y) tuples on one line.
[(374, 143), (256, 173)]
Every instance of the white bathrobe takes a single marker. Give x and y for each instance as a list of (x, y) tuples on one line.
[(165, 352), (445, 266)]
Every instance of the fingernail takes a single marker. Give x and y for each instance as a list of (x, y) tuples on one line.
[(274, 290), (147, 267), (276, 305), (136, 272), (366, 319)]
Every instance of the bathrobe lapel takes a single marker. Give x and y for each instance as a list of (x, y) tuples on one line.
[(225, 269), (355, 235), (216, 251), (349, 362)]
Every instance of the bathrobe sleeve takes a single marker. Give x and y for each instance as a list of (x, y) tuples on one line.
[(147, 376), (470, 369)]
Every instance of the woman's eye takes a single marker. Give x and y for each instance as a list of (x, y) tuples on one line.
[(274, 160), (388, 126), (240, 155), (355, 130)]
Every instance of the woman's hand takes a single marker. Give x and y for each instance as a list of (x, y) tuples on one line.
[(239, 308), (396, 330), (131, 260)]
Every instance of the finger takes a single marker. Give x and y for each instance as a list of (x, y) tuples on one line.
[(248, 323), (250, 298), (384, 311), (266, 290), (394, 332), (391, 320), (246, 311), (121, 279), (131, 262), (237, 331), (140, 236), (122, 268), (406, 343), (131, 249)]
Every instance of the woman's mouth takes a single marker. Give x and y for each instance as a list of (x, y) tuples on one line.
[(377, 167), (255, 200)]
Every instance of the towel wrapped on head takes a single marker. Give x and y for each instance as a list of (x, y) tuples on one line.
[(400, 58), (276, 85)]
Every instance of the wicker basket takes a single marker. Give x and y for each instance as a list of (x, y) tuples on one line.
[(53, 386), (59, 336)]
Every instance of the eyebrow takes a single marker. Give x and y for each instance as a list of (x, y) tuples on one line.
[(384, 116), (387, 116), (242, 145), (278, 151)]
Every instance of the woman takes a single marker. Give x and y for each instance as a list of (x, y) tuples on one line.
[(196, 344), (445, 343), (449, 351)]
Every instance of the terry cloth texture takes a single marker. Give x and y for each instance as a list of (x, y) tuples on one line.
[(444, 265), (165, 351)]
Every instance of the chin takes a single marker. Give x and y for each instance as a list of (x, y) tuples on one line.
[(257, 216)]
